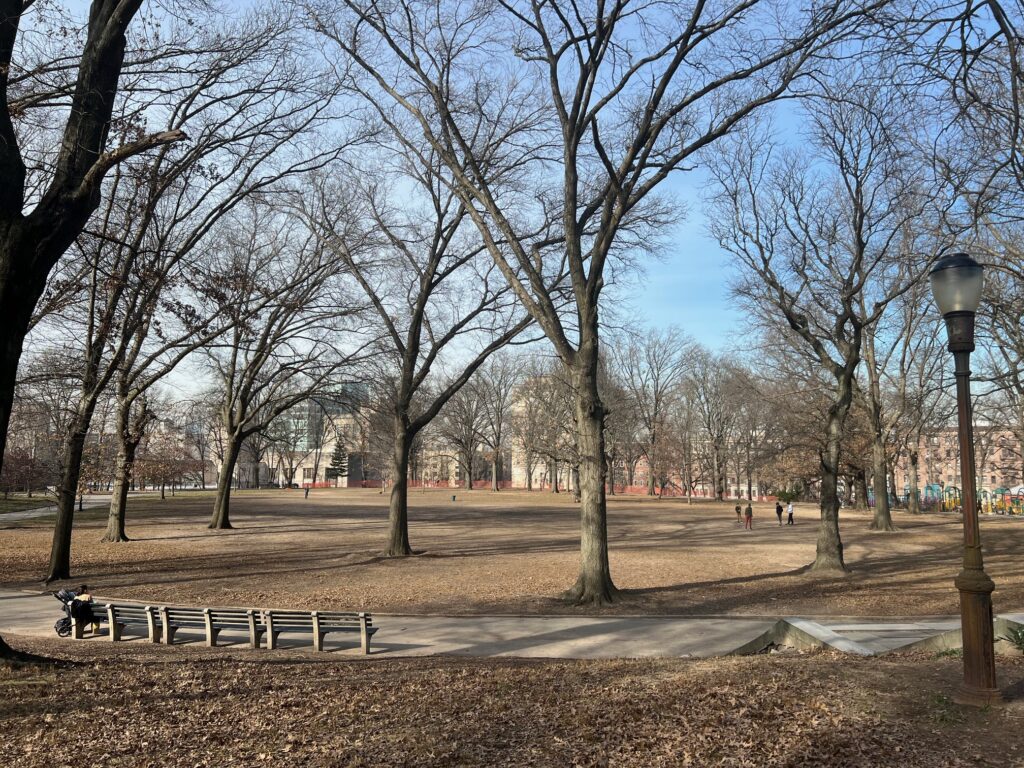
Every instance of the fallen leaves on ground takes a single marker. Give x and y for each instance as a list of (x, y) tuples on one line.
[(139, 705)]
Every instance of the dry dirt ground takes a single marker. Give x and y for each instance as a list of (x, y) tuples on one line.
[(135, 705), (512, 552)]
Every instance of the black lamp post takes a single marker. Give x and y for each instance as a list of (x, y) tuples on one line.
[(956, 284)]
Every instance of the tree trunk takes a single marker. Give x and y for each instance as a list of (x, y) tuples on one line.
[(650, 468), (469, 471), (554, 476), (860, 485), (716, 471), (882, 520), (495, 486), (398, 508), (60, 551), (914, 499), (222, 501), (594, 585), (119, 498), (830, 545)]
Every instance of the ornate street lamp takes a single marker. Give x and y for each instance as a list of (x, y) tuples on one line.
[(956, 284)]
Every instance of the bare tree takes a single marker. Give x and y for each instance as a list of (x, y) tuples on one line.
[(496, 383), (652, 367), (291, 333), (813, 243), (453, 310), (44, 207), (460, 425), (593, 109)]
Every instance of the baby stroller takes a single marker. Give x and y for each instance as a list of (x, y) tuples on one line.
[(79, 610), (63, 626)]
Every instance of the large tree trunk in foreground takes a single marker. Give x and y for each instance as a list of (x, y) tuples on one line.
[(60, 551), (594, 585), (222, 502), (914, 499), (398, 508)]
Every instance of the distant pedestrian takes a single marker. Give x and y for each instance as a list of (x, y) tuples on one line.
[(789, 510), (306, 496), (778, 511), (739, 515), (749, 512)]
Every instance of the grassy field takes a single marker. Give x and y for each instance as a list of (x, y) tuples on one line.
[(512, 552)]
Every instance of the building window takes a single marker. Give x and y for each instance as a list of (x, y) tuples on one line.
[(307, 473)]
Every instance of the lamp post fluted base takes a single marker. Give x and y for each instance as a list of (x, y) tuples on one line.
[(978, 633)]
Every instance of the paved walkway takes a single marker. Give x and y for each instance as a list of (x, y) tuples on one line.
[(572, 637), (48, 508)]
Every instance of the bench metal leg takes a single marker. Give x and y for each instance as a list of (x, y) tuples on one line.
[(364, 641), (77, 629)]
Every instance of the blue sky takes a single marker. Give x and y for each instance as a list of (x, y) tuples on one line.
[(689, 285)]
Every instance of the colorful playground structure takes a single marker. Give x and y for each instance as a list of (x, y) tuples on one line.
[(1001, 501)]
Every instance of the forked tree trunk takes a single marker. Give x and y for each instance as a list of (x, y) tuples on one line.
[(60, 551), (830, 546), (914, 499), (398, 507), (222, 502), (119, 498), (594, 585)]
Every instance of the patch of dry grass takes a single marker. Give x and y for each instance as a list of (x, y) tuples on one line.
[(513, 552)]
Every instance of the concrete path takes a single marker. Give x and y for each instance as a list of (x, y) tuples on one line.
[(571, 637), (50, 508)]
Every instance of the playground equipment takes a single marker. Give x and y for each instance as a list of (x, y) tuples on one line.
[(932, 496), (951, 499)]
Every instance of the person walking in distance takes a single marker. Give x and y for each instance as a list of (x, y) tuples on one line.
[(778, 511), (749, 512), (789, 510), (739, 515)]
